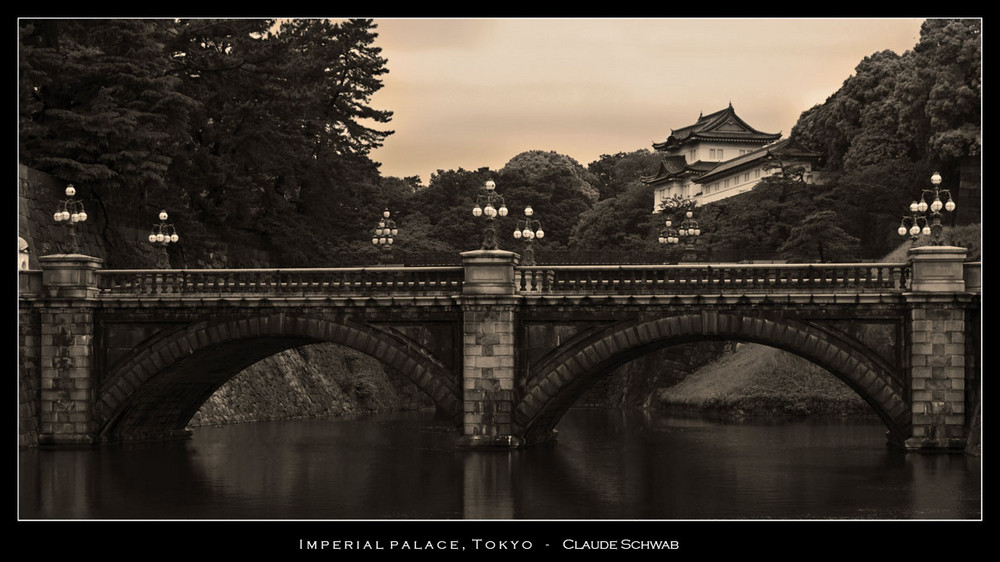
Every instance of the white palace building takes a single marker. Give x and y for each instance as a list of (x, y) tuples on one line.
[(719, 156)]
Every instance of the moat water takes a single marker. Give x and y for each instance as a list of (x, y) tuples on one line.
[(605, 465)]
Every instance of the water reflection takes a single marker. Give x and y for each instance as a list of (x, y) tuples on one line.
[(605, 465)]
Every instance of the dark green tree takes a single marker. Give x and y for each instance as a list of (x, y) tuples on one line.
[(280, 145), (534, 165), (819, 237), (622, 223), (253, 132), (445, 206), (871, 201), (99, 108), (859, 109), (557, 188), (940, 91), (923, 106), (614, 173), (755, 224)]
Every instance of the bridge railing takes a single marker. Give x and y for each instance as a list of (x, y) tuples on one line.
[(284, 282), (713, 279)]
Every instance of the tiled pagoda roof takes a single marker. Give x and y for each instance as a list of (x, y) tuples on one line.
[(674, 167), (723, 125)]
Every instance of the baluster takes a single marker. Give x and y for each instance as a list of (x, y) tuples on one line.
[(168, 282)]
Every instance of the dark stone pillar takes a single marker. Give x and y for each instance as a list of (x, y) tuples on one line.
[(68, 392)]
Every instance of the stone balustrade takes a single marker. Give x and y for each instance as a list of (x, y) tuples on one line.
[(713, 279), (283, 282)]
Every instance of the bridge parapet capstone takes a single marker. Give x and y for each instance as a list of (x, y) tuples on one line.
[(938, 269)]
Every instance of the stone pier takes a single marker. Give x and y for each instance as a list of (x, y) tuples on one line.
[(489, 308), (68, 386), (938, 330)]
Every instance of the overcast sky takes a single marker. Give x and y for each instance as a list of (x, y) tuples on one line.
[(467, 93)]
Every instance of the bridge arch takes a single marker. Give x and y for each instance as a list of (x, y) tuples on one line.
[(564, 374), (155, 392)]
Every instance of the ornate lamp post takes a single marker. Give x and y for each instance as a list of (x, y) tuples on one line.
[(918, 223), (384, 234), (528, 229), (687, 232), (70, 213), (163, 235), (489, 204)]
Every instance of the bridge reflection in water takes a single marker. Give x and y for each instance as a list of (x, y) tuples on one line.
[(606, 465), (503, 350)]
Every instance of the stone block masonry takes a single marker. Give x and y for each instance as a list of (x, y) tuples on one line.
[(488, 373), (937, 373), (937, 343), (67, 389), (489, 308)]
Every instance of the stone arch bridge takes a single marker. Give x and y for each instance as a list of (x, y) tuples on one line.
[(503, 349)]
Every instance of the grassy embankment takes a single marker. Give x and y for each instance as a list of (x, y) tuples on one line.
[(756, 380)]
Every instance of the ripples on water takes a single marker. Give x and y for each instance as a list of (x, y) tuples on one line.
[(604, 466)]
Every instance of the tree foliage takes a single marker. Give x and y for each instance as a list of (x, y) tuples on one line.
[(620, 223), (754, 225), (820, 237), (260, 133), (99, 107), (534, 165), (245, 127), (612, 173), (923, 107)]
